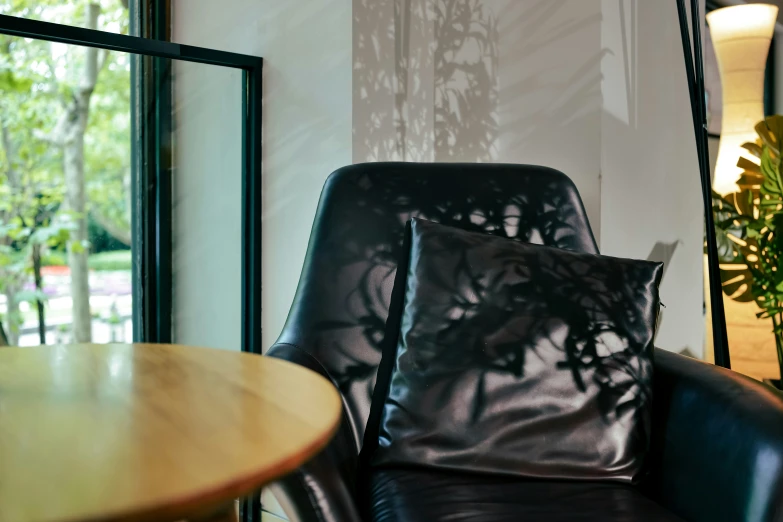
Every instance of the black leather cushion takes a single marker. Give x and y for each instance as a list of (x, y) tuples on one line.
[(520, 359), (405, 495)]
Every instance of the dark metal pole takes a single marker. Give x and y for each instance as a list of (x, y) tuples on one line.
[(251, 236), (695, 74)]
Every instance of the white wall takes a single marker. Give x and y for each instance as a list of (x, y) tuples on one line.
[(650, 190), (550, 90), (580, 85), (306, 45)]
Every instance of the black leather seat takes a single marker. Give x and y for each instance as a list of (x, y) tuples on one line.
[(405, 495), (717, 448)]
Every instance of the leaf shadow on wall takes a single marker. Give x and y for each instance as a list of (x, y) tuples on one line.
[(425, 80)]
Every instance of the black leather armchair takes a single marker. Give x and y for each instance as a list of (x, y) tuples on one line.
[(717, 450)]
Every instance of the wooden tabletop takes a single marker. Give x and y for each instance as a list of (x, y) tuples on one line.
[(150, 432)]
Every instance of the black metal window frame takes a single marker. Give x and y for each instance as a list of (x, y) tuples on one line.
[(151, 164)]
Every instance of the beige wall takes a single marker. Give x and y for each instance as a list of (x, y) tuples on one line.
[(580, 85), (650, 190), (480, 81), (550, 91), (306, 45)]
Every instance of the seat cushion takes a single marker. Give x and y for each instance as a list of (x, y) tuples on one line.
[(518, 359), (409, 495)]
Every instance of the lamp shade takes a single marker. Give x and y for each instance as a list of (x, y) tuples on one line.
[(741, 37)]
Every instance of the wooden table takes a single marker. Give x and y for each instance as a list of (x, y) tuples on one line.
[(150, 432)]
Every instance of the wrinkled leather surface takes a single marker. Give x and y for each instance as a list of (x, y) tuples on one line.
[(519, 359), (404, 495), (717, 445), (339, 311)]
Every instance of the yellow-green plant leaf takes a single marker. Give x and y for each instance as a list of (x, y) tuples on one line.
[(753, 148), (745, 164), (770, 130)]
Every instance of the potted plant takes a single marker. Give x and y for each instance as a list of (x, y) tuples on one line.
[(749, 226)]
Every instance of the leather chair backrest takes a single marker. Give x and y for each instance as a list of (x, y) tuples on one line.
[(340, 308)]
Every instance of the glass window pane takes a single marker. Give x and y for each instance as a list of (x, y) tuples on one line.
[(207, 210), (65, 195), (65, 237)]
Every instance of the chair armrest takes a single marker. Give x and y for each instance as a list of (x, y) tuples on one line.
[(322, 490), (717, 446)]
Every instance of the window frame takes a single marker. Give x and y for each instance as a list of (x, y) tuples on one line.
[(151, 176)]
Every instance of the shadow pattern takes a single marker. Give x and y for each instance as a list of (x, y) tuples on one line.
[(339, 312), (466, 84), (521, 359), (425, 82)]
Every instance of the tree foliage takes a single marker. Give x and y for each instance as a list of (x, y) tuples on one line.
[(38, 81)]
